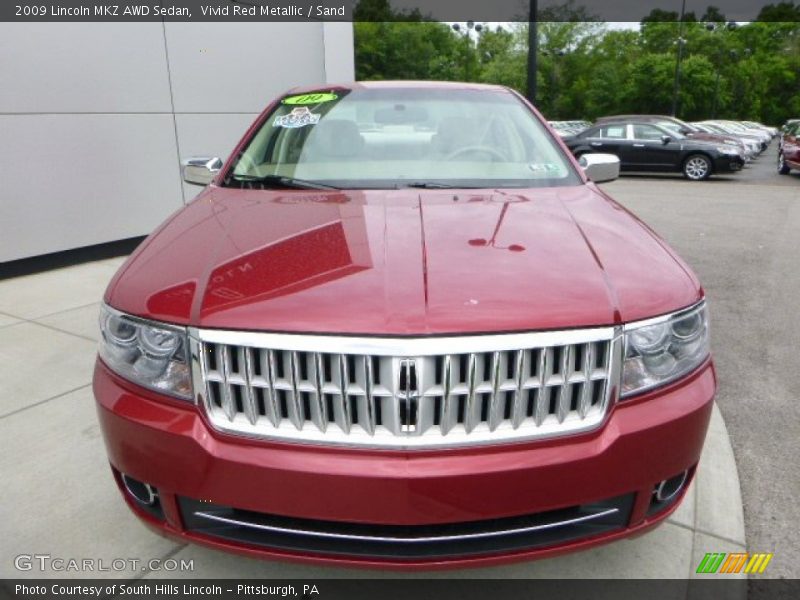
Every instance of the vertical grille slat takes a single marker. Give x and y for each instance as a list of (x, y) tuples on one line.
[(250, 407), (449, 403), (271, 401), (367, 402), (318, 413), (293, 402), (518, 411), (564, 395), (541, 392), (497, 404), (440, 399), (586, 387), (341, 406), (228, 405), (470, 418)]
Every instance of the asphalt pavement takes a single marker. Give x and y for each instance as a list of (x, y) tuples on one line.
[(741, 234)]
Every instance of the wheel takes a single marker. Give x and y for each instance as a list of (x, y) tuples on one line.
[(783, 168), (697, 167)]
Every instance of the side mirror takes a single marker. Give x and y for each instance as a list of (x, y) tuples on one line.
[(666, 139), (600, 167), (200, 170)]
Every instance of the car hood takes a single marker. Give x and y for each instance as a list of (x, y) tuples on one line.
[(713, 138), (402, 262)]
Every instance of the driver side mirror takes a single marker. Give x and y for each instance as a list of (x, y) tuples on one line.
[(666, 139), (200, 170), (600, 167)]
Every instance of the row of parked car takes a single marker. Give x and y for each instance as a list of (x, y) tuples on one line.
[(662, 143)]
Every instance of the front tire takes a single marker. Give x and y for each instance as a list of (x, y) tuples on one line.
[(697, 167), (783, 168)]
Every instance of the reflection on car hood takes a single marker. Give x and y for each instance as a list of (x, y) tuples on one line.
[(402, 262)]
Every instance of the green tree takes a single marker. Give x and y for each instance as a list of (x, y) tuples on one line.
[(407, 50), (586, 70)]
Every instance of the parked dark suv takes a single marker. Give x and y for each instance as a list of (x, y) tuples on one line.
[(643, 146)]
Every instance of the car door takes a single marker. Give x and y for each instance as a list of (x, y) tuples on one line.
[(609, 139), (648, 150)]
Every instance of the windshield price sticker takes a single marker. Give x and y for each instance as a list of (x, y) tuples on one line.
[(299, 117), (315, 98)]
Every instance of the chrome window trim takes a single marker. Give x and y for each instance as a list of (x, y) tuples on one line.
[(401, 540)]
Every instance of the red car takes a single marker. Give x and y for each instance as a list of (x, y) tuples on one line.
[(789, 149), (401, 328)]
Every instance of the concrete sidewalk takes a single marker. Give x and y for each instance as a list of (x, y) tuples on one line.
[(59, 498)]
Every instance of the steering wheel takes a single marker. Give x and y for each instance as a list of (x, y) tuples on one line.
[(477, 148)]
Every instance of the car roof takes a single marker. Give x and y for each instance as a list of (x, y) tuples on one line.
[(642, 118), (400, 84), (635, 121)]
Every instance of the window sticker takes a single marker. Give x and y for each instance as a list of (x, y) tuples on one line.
[(315, 98), (299, 117)]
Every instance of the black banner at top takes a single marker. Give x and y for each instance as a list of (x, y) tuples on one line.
[(383, 10)]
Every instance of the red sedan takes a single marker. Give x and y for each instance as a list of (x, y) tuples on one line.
[(402, 327), (789, 149)]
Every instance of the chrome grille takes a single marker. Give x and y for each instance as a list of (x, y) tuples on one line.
[(405, 393)]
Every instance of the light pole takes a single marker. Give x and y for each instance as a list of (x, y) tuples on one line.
[(533, 48), (676, 88), (470, 26)]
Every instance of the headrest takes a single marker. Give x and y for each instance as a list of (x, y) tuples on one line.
[(335, 138)]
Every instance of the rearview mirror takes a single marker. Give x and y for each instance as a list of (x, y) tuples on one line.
[(200, 170), (600, 167), (666, 139)]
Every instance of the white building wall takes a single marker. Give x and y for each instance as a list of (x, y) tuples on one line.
[(94, 117)]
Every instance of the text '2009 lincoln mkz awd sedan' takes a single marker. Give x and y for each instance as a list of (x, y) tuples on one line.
[(402, 327)]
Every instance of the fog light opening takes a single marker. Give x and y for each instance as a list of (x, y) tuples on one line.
[(144, 493), (669, 488)]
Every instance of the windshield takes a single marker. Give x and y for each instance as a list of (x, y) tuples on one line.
[(718, 128), (735, 127), (674, 129), (396, 137)]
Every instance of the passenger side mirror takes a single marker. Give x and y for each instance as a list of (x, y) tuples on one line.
[(600, 167), (200, 170), (666, 139)]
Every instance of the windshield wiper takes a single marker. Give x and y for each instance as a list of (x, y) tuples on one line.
[(283, 180), (427, 185)]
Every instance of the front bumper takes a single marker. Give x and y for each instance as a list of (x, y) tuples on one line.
[(728, 163), (169, 445)]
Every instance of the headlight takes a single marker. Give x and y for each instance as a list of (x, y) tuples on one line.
[(727, 150), (153, 355), (661, 350)]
